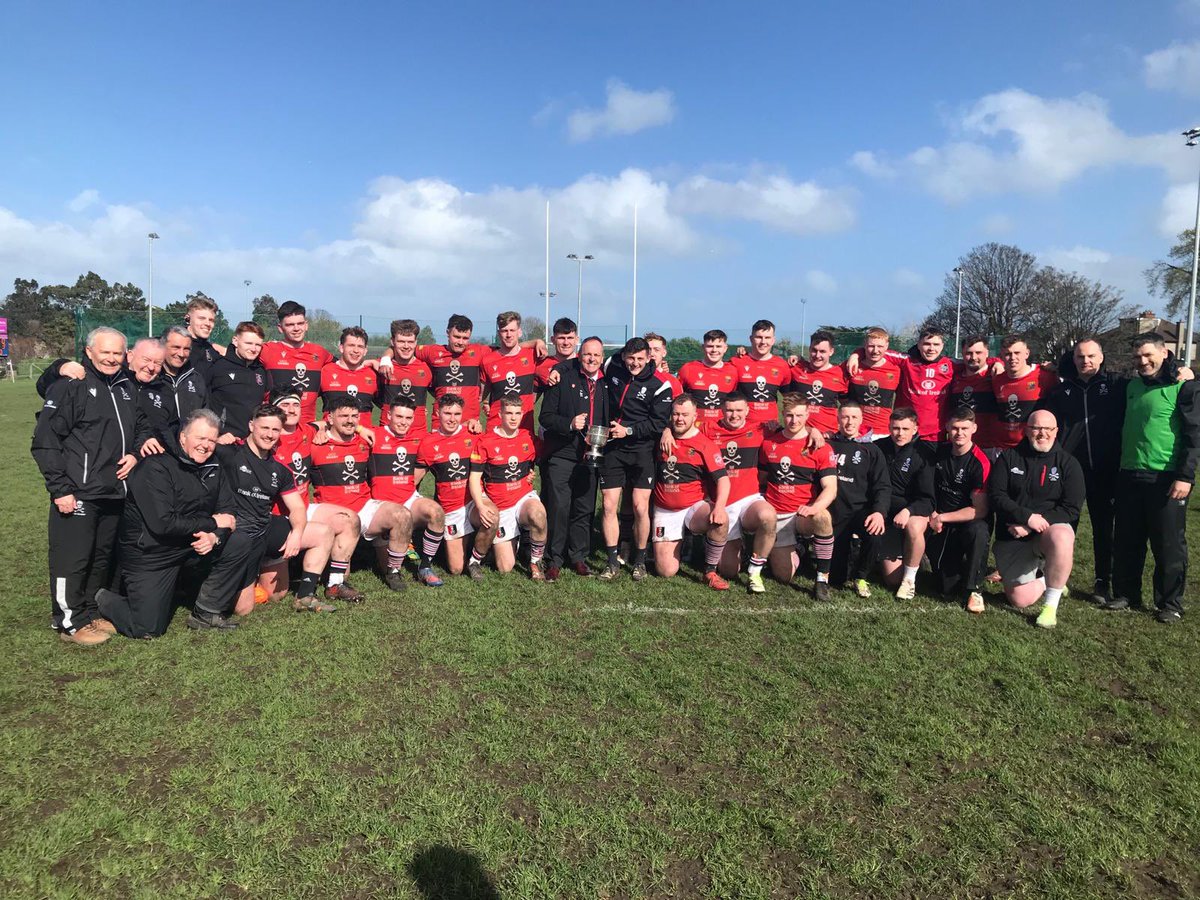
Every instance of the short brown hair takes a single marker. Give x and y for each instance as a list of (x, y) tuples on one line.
[(962, 414), (1010, 339), (791, 401), (654, 336), (202, 303), (353, 331), (253, 327), (506, 318), (406, 327), (510, 401)]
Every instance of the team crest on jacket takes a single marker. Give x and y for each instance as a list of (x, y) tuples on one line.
[(1053, 476)]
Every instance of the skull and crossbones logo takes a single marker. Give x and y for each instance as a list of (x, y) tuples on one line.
[(300, 379), (1012, 413), (401, 464), (711, 398), (733, 456), (873, 398), (510, 383), (813, 394), (352, 390), (511, 470), (455, 375), (350, 473), (968, 396), (786, 474), (406, 387), (760, 392), (457, 469), (670, 472), (299, 469)]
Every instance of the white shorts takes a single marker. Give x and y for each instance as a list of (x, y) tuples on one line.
[(365, 515), (510, 519), (458, 523), (735, 511), (785, 531), (408, 504), (669, 523)]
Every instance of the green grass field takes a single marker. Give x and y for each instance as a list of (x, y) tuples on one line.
[(512, 740)]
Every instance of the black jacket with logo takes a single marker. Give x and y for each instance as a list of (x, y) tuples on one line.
[(642, 404), (83, 430), (863, 478), (911, 470), (1024, 481), (1090, 415), (188, 391), (256, 483), (562, 402), (171, 498), (236, 387)]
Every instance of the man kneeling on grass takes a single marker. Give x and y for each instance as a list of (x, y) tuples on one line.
[(1037, 490), (800, 483), (691, 489), (502, 494)]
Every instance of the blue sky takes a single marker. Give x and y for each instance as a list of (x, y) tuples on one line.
[(383, 159)]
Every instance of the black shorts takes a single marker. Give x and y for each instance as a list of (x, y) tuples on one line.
[(631, 465), (273, 539)]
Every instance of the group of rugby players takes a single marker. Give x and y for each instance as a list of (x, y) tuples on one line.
[(887, 458)]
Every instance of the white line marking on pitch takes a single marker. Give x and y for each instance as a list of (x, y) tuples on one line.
[(771, 610)]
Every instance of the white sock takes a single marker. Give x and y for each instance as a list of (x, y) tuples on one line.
[(910, 573), (822, 576), (336, 578), (754, 570), (1051, 597)]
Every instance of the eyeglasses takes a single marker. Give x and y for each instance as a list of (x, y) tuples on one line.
[(1044, 429)]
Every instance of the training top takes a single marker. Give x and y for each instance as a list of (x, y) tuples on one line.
[(456, 373), (793, 474), (760, 382), (507, 464), (863, 479), (739, 449), (875, 390), (910, 470), (708, 386), (510, 376), (297, 369), (258, 484), (689, 473), (973, 390), (823, 389), (295, 452), (360, 385), (339, 472), (448, 457), (1016, 399), (411, 380), (393, 460), (957, 479)]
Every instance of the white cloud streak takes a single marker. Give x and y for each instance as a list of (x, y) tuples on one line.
[(626, 111), (1174, 68)]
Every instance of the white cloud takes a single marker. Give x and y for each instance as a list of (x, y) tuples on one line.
[(771, 200), (1178, 210), (1174, 68), (84, 200), (870, 164), (1017, 141), (1114, 269), (820, 282), (997, 225), (907, 278), (626, 111)]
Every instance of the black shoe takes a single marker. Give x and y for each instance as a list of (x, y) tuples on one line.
[(1115, 603), (394, 579), (821, 591), (1100, 594), (202, 621), (344, 592), (610, 573), (474, 572), (1169, 616), (639, 572)]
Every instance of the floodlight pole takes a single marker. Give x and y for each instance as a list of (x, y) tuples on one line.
[(1193, 137), (579, 294), (958, 314), (150, 239)]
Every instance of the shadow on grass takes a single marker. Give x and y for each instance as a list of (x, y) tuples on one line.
[(444, 873)]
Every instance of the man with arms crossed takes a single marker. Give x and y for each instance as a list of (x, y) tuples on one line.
[(800, 485), (1037, 491), (682, 499)]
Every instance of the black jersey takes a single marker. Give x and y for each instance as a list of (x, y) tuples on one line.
[(957, 479), (256, 484), (911, 470)]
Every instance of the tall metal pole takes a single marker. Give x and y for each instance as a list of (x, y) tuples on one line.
[(247, 282), (1193, 135), (803, 319), (579, 296), (547, 294), (150, 239), (635, 210), (958, 315)]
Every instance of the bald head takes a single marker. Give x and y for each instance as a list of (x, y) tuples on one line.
[(1042, 430), (1088, 356)]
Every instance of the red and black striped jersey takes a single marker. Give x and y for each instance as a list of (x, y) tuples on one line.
[(448, 457), (294, 450), (507, 464), (957, 479), (823, 389), (973, 390), (411, 380), (739, 449), (297, 369), (1016, 399), (793, 474), (456, 373), (760, 382), (393, 459), (510, 376), (708, 386), (543, 370), (875, 390), (689, 473), (361, 385), (339, 473)]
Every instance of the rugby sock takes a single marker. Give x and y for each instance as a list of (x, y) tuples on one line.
[(756, 564), (1051, 597), (430, 542), (476, 556), (639, 556), (337, 571), (306, 584), (613, 553), (712, 554), (910, 573), (536, 549), (823, 548), (395, 560)]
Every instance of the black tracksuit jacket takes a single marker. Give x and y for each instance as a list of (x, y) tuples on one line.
[(170, 499), (236, 387), (864, 482), (911, 468), (188, 390), (562, 402), (83, 429), (1090, 415), (1024, 481), (641, 404)]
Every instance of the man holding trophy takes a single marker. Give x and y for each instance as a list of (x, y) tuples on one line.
[(574, 417)]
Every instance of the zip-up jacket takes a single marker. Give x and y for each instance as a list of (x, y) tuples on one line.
[(1024, 482), (83, 430), (1090, 415), (236, 387), (911, 470), (153, 397), (562, 402), (204, 356), (642, 404), (1161, 434), (188, 390), (171, 498), (863, 478)]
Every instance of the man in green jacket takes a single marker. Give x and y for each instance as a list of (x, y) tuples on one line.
[(1160, 446)]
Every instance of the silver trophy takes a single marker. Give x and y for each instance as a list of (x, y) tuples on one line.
[(597, 437)]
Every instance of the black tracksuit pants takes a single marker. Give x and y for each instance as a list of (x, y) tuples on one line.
[(1101, 497), (149, 580), (1144, 513), (870, 547), (569, 493), (82, 559), (958, 554)]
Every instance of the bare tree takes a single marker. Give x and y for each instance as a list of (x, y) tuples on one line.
[(996, 284), (1171, 278), (1066, 307)]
